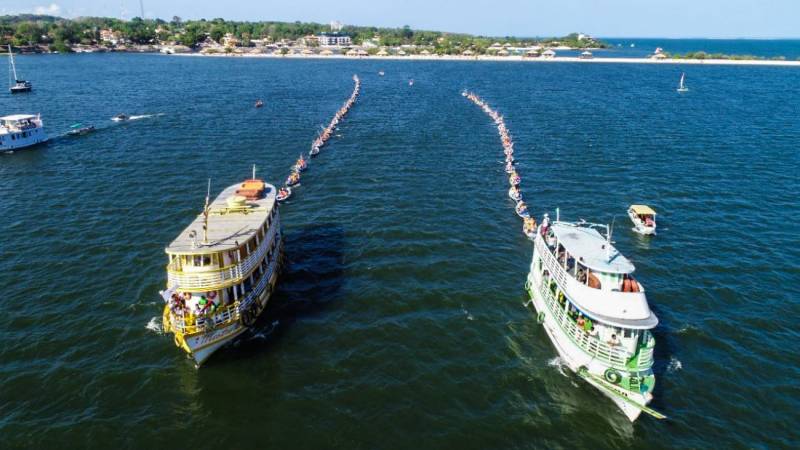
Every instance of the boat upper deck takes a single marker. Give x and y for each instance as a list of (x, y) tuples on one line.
[(588, 246), (232, 220), (19, 122)]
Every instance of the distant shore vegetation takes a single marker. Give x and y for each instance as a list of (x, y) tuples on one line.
[(41, 33), (736, 57)]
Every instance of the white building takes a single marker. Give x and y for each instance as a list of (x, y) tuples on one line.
[(336, 25), (334, 39)]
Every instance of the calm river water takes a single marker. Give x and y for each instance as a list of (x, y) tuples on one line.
[(399, 322)]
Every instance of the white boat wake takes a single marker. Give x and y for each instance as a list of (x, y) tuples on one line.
[(674, 365), (467, 313), (145, 116), (154, 325), (559, 364)]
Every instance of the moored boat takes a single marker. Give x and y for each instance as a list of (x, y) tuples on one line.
[(594, 311), (80, 129), (284, 193), (522, 209), (16, 85), (20, 131), (643, 218), (219, 282)]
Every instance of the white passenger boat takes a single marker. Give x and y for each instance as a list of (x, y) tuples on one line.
[(643, 218), (20, 131), (594, 311), (223, 268)]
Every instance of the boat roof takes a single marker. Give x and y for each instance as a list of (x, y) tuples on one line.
[(642, 209), (227, 228), (588, 247), (15, 117)]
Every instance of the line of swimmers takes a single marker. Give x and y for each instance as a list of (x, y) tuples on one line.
[(520, 207), (294, 177)]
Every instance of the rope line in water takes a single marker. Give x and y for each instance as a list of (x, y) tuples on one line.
[(302, 163), (514, 192)]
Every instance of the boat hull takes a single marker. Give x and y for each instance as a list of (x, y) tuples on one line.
[(200, 346), (639, 226), (590, 369)]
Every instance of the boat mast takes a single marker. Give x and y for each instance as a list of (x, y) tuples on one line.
[(13, 66), (205, 214)]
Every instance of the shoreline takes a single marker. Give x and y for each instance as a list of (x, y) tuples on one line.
[(513, 58)]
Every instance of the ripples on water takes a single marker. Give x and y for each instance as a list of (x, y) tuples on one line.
[(401, 233)]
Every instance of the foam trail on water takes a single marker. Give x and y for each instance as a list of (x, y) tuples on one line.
[(674, 365), (154, 325)]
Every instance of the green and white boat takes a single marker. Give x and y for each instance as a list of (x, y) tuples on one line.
[(594, 311)]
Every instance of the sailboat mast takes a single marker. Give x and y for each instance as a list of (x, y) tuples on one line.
[(13, 66)]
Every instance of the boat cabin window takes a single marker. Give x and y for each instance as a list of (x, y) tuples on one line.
[(201, 260)]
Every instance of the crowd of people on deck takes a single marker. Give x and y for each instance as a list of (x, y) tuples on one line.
[(182, 304), (301, 164), (521, 208)]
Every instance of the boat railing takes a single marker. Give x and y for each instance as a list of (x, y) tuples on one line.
[(550, 261), (612, 355), (190, 323), (220, 277)]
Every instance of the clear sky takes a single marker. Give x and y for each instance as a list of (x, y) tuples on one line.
[(606, 18)]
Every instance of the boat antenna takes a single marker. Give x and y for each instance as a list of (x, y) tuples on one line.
[(609, 232), (254, 171), (558, 215), (205, 214)]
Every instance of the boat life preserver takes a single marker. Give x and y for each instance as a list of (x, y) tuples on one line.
[(612, 376)]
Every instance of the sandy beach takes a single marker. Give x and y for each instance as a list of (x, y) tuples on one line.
[(514, 58)]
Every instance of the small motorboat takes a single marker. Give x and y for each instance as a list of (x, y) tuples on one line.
[(381, 73), (120, 118), (293, 179), (522, 210), (411, 82), (314, 151), (509, 167), (529, 227), (514, 193), (79, 129), (514, 179), (259, 103), (643, 218), (283, 193), (301, 164), (509, 158)]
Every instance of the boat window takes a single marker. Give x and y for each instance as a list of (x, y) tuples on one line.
[(628, 333)]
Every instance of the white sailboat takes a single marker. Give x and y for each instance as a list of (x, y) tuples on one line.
[(15, 85), (682, 87)]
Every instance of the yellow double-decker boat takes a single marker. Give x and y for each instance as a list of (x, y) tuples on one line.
[(223, 268)]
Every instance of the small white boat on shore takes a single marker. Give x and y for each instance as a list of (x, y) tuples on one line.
[(643, 218)]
